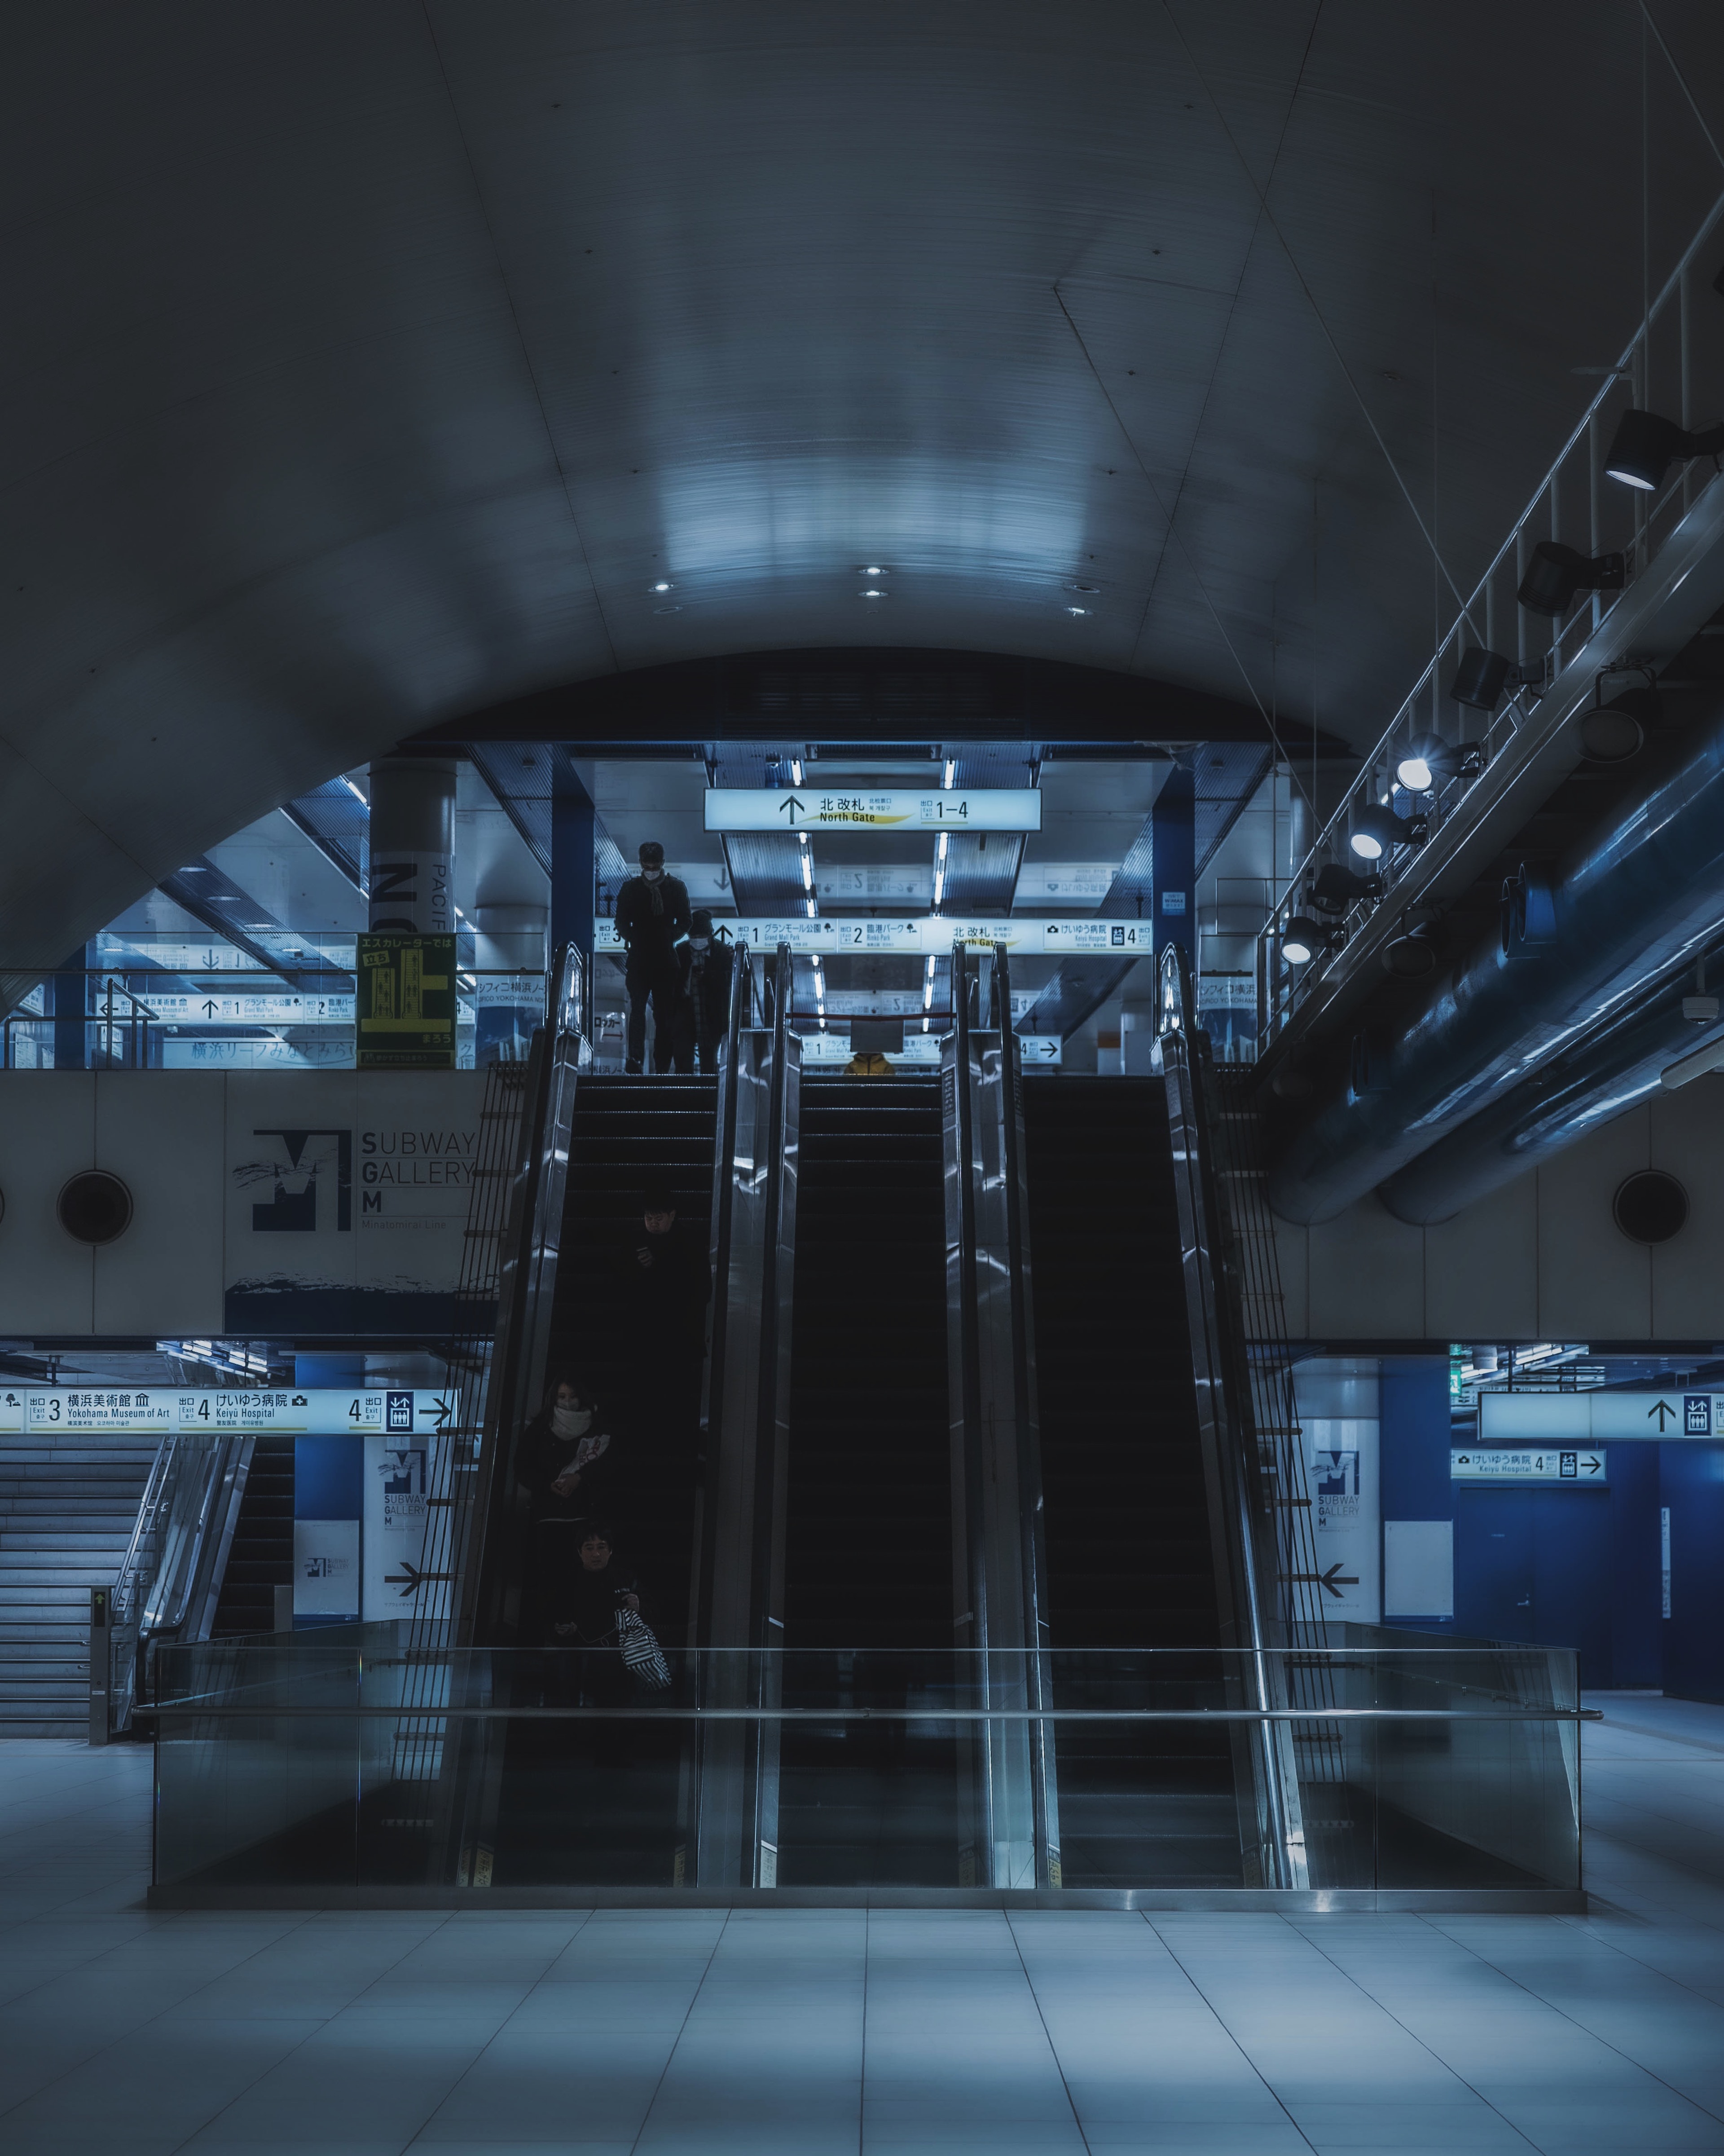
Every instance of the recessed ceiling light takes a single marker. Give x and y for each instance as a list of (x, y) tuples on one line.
[(874, 569), (1083, 588), (1080, 609), (669, 609), (662, 588), (870, 595)]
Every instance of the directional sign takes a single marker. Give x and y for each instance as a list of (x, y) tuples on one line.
[(315, 1411), (850, 808), (1331, 1581), (925, 934), (1581, 1463), (410, 1579), (1597, 1417)]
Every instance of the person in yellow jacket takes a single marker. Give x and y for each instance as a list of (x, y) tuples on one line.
[(867, 1063)]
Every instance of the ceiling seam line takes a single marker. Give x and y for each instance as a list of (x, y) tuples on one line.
[(526, 357), (1179, 541), (1233, 309), (1328, 334)]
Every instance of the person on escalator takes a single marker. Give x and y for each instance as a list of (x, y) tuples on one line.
[(711, 963), (588, 1598), (568, 1462), (652, 920)]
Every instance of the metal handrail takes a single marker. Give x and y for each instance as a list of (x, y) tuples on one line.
[(1651, 521), (1238, 1475)]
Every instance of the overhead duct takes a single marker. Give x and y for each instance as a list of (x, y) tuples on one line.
[(1538, 1117), (1637, 895)]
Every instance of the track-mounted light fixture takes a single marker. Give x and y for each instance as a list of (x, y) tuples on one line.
[(1376, 831), (1336, 887), (1481, 678), (1557, 572), (1645, 446), (1302, 938), (1429, 762)]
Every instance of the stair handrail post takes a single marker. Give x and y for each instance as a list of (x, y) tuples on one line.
[(1242, 1504)]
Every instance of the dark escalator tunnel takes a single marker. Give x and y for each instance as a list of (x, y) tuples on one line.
[(868, 1543), (1129, 1556), (576, 1793)]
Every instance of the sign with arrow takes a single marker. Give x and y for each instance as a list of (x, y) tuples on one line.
[(1598, 1417), (853, 809), (1332, 1582), (410, 1579), (1580, 1464)]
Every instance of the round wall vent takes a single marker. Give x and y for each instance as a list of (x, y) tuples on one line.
[(96, 1207), (1651, 1207)]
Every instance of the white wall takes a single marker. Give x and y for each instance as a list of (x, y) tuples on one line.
[(1540, 1259), (182, 1142)]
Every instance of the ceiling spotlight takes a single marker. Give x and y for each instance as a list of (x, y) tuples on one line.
[(1610, 733), (1645, 446), (1481, 678), (663, 588), (1376, 831), (1302, 938), (1410, 957), (1429, 762), (1557, 572), (1337, 887)]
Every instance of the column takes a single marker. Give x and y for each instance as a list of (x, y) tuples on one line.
[(406, 963), (1172, 866), (574, 866)]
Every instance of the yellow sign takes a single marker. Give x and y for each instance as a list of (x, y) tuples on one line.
[(407, 1003)]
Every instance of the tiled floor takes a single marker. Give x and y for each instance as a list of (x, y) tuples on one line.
[(807, 2033)]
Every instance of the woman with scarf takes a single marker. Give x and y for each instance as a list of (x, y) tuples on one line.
[(567, 1461)]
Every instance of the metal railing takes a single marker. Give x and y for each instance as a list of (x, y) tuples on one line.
[(1575, 505), (1240, 1459), (170, 1575)]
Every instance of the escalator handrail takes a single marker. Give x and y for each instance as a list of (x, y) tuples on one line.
[(724, 1151), (781, 985), (526, 1278), (1221, 1370)]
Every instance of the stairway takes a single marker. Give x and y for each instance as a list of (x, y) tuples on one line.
[(1127, 1530), (67, 1510), (260, 1556), (868, 1541)]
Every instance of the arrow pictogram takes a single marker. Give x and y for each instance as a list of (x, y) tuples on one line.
[(412, 1577), (440, 1410), (1661, 1411), (1334, 1579), (792, 808), (210, 1006)]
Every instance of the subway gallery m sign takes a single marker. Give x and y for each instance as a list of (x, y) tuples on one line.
[(347, 1200)]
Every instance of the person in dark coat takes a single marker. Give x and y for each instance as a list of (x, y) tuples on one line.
[(667, 1281), (711, 965), (585, 1596), (652, 920), (567, 1462)]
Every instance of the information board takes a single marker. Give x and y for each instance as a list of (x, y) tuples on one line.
[(407, 1003), (1597, 1417), (1507, 1464), (924, 934), (870, 808), (156, 1410)]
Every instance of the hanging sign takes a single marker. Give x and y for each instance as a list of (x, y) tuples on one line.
[(405, 1415), (1584, 1464), (863, 808), (1593, 1418), (924, 936), (407, 1003)]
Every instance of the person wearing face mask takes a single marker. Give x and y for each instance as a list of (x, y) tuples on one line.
[(711, 960), (652, 920), (568, 1461)]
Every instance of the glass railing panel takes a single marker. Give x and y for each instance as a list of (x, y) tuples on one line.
[(364, 1755)]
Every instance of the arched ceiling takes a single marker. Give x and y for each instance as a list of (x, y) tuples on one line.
[(369, 364)]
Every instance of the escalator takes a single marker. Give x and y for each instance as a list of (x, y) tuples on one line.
[(1130, 1560), (868, 1562)]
